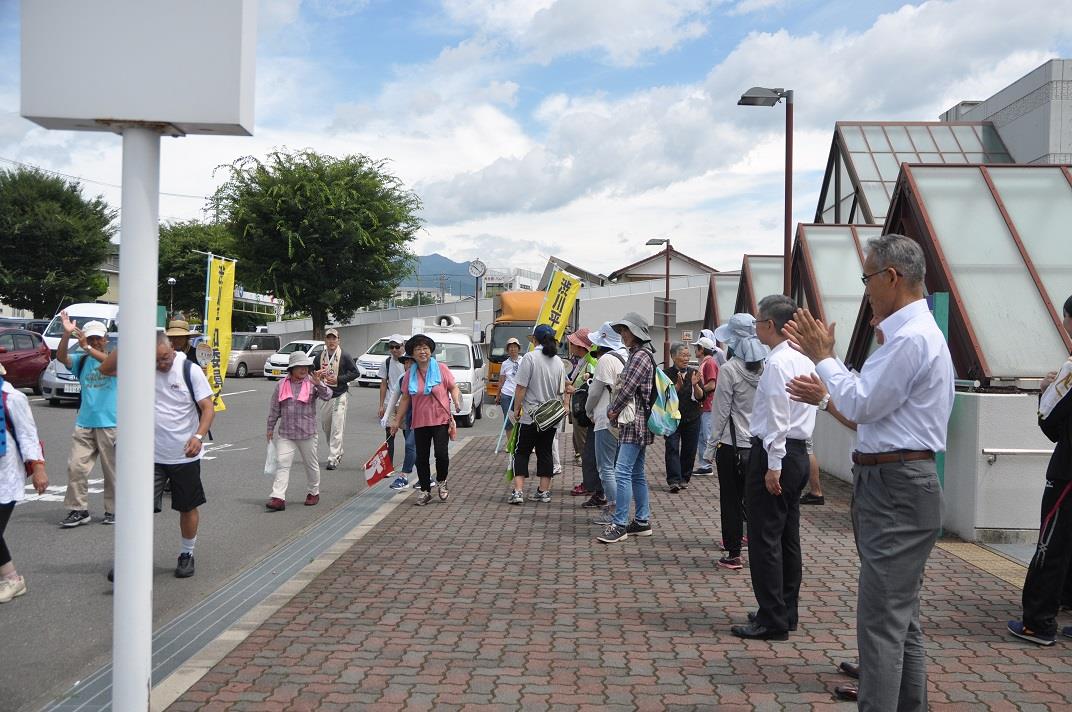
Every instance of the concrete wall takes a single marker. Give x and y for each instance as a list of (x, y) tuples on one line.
[(992, 502)]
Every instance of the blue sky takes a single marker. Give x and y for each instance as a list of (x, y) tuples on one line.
[(580, 128)]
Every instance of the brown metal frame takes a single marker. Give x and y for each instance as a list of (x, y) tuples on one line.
[(985, 171), (804, 281), (746, 280), (712, 315)]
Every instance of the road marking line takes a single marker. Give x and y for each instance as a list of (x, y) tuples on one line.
[(236, 393)]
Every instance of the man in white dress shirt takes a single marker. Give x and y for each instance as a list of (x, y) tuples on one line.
[(777, 473), (901, 401)]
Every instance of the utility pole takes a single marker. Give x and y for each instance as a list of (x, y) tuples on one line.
[(442, 289)]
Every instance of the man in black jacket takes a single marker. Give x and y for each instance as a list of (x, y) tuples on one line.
[(1046, 576), (340, 371)]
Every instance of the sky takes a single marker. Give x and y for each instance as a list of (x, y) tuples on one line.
[(578, 128)]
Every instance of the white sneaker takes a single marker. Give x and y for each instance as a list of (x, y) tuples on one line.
[(516, 498), (11, 588)]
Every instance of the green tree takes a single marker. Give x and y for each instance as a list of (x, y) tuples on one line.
[(180, 260), (53, 241), (327, 235)]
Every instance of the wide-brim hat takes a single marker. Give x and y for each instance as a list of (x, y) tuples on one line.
[(175, 327), (416, 340), (581, 338), (751, 349), (299, 358), (94, 328), (606, 337), (636, 324), (740, 326)]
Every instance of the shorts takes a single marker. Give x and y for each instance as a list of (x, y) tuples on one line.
[(809, 446), (187, 493)]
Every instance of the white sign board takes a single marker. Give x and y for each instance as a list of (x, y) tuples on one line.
[(686, 336), (96, 65)]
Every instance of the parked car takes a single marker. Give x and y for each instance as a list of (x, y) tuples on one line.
[(368, 363), (57, 384), (24, 355), (276, 365), (249, 352), (108, 314), (465, 359), (37, 326)]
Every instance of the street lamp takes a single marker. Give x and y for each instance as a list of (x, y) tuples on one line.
[(760, 96), (666, 316), (171, 301)]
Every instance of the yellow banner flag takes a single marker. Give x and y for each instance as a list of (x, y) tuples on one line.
[(557, 306), (219, 300)]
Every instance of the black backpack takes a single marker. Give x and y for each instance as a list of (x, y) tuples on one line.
[(579, 400)]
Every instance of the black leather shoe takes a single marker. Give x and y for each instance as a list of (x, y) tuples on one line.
[(810, 498), (847, 693), (850, 669), (752, 619), (758, 632)]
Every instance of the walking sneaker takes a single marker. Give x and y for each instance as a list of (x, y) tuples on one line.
[(516, 497), (443, 492), (275, 505), (594, 502), (579, 491), (810, 498), (434, 483), (613, 534), (311, 500), (684, 485), (675, 488), (637, 529), (556, 471), (604, 520), (539, 496), (423, 498), (185, 567), (702, 471), (1067, 631), (400, 484), (76, 517), (1018, 629), (330, 466), (11, 588), (733, 563), (109, 518)]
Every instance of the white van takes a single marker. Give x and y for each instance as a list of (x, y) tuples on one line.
[(368, 364), (465, 359), (80, 314), (276, 365)]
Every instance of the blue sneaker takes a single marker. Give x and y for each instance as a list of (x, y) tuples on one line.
[(1067, 631), (400, 483), (1017, 628)]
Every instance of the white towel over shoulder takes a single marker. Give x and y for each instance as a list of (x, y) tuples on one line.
[(1057, 390)]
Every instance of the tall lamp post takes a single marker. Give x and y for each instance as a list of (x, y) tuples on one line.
[(171, 299), (666, 316), (760, 96)]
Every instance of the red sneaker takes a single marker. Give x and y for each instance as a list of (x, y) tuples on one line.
[(579, 491), (275, 505), (311, 499)]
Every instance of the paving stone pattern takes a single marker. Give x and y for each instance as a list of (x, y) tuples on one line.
[(478, 604)]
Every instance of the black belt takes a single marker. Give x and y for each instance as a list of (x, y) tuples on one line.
[(886, 458), (789, 441)]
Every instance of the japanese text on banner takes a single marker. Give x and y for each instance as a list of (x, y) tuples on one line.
[(558, 304), (219, 300)]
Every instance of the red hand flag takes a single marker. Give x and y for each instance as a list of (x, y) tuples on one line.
[(378, 466)]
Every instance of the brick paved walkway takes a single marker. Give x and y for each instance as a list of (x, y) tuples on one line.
[(476, 603)]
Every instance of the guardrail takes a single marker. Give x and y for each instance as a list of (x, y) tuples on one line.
[(992, 454)]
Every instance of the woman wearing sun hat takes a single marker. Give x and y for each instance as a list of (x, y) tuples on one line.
[(426, 392), (731, 428), (293, 407)]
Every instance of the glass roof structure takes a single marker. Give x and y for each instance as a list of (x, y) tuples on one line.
[(760, 275), (827, 264), (866, 156), (721, 298), (996, 238)]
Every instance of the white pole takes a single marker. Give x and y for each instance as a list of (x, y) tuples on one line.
[(132, 608)]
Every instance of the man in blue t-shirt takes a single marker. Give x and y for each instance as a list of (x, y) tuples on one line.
[(94, 428)]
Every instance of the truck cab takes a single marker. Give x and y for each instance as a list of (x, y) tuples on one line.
[(515, 314)]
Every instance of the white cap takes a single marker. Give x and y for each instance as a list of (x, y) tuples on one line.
[(94, 328)]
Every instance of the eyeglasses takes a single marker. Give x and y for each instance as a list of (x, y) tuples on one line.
[(394, 346), (864, 278), (764, 321)]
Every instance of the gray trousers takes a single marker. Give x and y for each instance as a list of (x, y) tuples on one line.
[(896, 515)]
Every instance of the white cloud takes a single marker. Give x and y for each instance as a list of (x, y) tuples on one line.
[(622, 32), (745, 7)]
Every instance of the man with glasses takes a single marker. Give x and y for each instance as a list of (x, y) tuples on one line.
[(391, 371), (901, 402), (340, 371)]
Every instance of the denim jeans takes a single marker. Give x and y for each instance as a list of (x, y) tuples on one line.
[(706, 423), (505, 402), (632, 485), (411, 452), (606, 455)]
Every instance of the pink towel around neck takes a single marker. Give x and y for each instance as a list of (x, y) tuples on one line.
[(303, 395)]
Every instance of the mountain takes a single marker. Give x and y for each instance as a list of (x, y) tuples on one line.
[(430, 267)]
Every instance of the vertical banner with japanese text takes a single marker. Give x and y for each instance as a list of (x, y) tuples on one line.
[(219, 300), (557, 306)]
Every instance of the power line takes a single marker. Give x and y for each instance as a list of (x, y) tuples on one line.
[(90, 180)]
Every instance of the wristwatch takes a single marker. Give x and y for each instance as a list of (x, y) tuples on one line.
[(199, 436), (824, 402)]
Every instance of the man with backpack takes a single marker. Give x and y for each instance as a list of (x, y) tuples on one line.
[(94, 427)]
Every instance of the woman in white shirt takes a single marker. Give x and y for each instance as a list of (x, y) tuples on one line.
[(508, 378), (19, 447)]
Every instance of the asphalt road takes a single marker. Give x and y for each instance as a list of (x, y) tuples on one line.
[(60, 631)]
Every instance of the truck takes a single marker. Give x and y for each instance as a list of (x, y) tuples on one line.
[(514, 316)]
